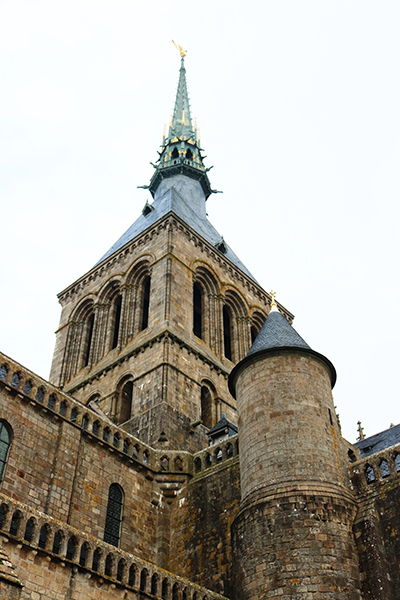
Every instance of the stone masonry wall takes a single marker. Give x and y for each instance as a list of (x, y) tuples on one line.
[(376, 481), (201, 518)]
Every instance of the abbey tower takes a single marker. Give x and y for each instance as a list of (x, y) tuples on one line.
[(186, 446)]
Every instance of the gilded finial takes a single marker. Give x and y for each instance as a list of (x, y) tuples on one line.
[(182, 52), (361, 434), (274, 307)]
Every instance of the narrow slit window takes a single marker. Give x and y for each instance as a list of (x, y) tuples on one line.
[(89, 338), (197, 311), (227, 333), (117, 320), (146, 303)]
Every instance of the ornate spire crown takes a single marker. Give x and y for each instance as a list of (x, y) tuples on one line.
[(180, 150)]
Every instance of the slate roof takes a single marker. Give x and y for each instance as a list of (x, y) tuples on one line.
[(379, 441), (223, 423), (277, 332), (180, 204)]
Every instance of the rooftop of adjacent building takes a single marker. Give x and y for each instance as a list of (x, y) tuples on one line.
[(379, 441)]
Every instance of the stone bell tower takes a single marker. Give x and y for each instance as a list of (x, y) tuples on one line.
[(292, 537), (151, 332)]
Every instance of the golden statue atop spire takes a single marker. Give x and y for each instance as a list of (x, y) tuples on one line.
[(182, 52)]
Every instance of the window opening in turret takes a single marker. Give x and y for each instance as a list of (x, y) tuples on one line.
[(254, 334), (189, 154), (112, 529), (175, 153), (44, 532), (120, 569), (90, 324), (143, 580), (227, 333), (197, 310), (154, 585), (117, 320), (146, 303)]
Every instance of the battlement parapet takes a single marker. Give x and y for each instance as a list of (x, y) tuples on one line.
[(374, 470), (216, 455), (41, 533), (29, 387)]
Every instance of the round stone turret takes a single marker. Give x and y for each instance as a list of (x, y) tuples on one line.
[(293, 533)]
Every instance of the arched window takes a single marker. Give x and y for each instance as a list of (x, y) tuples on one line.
[(197, 311), (15, 522), (154, 585), (117, 320), (108, 565), (227, 333), (254, 333), (89, 338), (71, 548), (126, 402), (44, 533), (369, 474), (40, 394), (145, 303), (197, 464), (84, 554), (120, 569), (57, 542), (175, 153), (175, 591), (15, 380), (51, 402), (164, 589), (74, 415), (132, 575), (85, 422), (112, 529), (28, 387), (384, 467), (96, 559), (143, 580), (63, 408), (5, 443), (3, 372), (206, 407), (29, 529)]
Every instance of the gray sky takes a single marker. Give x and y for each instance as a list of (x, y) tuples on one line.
[(298, 107)]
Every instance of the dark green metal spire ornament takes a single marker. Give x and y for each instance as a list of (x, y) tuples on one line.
[(180, 150)]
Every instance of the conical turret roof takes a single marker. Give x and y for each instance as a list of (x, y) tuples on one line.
[(277, 335), (277, 332)]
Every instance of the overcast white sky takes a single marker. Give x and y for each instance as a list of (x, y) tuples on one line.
[(298, 107)]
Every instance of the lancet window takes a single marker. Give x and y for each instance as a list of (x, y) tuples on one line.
[(112, 529), (5, 444), (227, 321), (206, 407), (197, 310)]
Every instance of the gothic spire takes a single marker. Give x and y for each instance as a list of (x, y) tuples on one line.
[(181, 122), (180, 150)]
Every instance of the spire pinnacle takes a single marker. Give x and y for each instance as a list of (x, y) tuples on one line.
[(181, 152)]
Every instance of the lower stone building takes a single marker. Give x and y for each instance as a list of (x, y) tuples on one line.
[(186, 446)]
